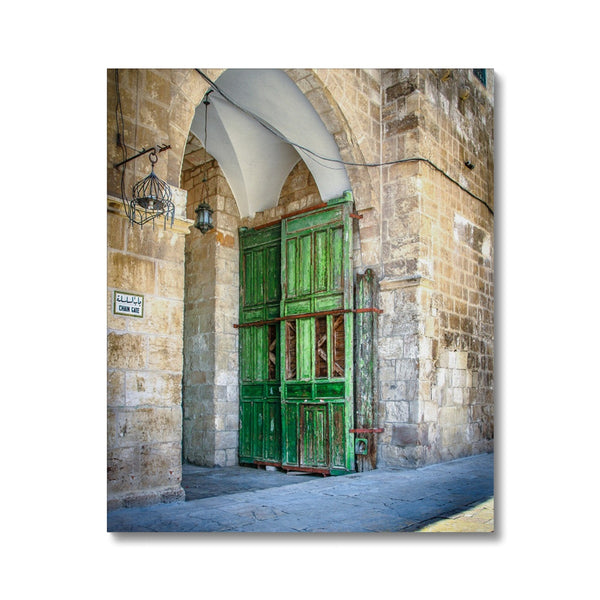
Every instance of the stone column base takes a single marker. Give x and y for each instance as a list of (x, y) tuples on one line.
[(146, 497)]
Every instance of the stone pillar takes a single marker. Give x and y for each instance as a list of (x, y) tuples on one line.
[(145, 359), (210, 383), (402, 273)]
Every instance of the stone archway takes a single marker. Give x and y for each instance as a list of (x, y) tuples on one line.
[(210, 389), (145, 356)]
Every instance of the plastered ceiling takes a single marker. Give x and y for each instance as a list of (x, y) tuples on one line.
[(255, 161)]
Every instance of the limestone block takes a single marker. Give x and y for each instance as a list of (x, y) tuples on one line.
[(148, 425), (200, 355), (410, 346), (111, 428), (232, 393), (447, 360), (387, 370), (116, 388), (412, 393), (154, 123), (407, 369), (457, 395), (160, 465), (459, 378), (396, 412), (461, 360), (164, 317), (226, 409), (228, 342), (231, 457), (220, 459), (226, 439), (156, 242), (442, 376), (150, 388), (393, 391), (116, 231), (431, 329), (130, 273), (123, 470), (170, 280), (224, 378), (232, 421), (165, 353), (220, 393), (390, 347), (404, 435), (126, 351), (437, 395), (451, 436), (156, 86), (430, 412)]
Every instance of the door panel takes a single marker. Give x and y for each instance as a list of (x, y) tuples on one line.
[(260, 294), (316, 387)]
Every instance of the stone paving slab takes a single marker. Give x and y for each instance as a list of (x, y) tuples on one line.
[(477, 519), (378, 501)]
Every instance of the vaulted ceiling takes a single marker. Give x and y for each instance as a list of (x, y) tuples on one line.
[(251, 118)]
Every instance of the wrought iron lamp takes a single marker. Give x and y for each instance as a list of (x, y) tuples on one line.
[(203, 211), (151, 198)]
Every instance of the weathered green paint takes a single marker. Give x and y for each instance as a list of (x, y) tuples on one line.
[(260, 294), (366, 323), (296, 376), (317, 391)]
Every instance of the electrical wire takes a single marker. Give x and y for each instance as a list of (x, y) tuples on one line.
[(121, 135), (275, 132)]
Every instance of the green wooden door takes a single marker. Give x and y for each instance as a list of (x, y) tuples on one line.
[(296, 340), (260, 294), (316, 346)]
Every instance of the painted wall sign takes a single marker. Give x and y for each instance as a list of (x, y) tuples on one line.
[(130, 305)]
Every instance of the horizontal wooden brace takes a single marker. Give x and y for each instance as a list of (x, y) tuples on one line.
[(377, 430), (323, 313), (290, 317), (355, 216), (291, 214)]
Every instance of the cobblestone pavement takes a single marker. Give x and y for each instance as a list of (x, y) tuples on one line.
[(455, 496)]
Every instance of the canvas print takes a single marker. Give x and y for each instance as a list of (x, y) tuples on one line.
[(300, 300)]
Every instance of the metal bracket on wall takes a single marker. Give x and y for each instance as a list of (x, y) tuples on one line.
[(157, 149)]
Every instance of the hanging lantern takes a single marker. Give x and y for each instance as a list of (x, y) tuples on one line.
[(203, 210), (151, 198), (204, 213)]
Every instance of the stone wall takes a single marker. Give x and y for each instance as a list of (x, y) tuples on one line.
[(144, 362), (145, 355), (436, 335)]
